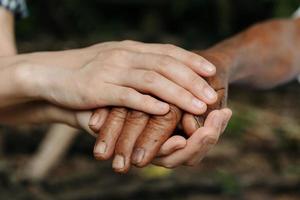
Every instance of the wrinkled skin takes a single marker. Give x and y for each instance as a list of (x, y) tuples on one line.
[(139, 132), (263, 56)]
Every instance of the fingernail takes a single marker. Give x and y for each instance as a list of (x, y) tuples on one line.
[(162, 106), (94, 120), (138, 155), (209, 68), (209, 93), (197, 103), (217, 121), (118, 162), (100, 148)]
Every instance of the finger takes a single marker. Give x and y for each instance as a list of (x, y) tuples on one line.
[(189, 124), (197, 145), (215, 120), (178, 73), (228, 114), (181, 156), (165, 89), (157, 131), (109, 133), (173, 144), (134, 125), (194, 61), (98, 118), (128, 97), (82, 119), (220, 103)]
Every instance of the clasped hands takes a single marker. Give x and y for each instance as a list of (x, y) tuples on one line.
[(138, 79), (132, 137)]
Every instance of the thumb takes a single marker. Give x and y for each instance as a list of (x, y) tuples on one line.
[(83, 118)]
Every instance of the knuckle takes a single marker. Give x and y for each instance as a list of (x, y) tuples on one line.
[(136, 115), (199, 83), (158, 125), (125, 95), (118, 53), (165, 61), (170, 47), (164, 124), (194, 57), (119, 112), (210, 139), (150, 77), (173, 115), (135, 118), (195, 80)]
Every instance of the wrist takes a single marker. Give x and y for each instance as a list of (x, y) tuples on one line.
[(231, 58), (44, 82), (26, 80)]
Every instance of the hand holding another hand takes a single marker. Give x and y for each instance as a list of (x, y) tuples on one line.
[(125, 74), (134, 137)]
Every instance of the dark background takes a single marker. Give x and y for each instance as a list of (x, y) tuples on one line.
[(256, 158), (188, 23)]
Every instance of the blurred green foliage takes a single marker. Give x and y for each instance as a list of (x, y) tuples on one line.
[(229, 182), (190, 23)]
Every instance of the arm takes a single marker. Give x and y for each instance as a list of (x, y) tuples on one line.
[(7, 36), (263, 56), (106, 74)]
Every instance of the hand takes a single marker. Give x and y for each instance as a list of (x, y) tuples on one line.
[(120, 74), (173, 153), (134, 137)]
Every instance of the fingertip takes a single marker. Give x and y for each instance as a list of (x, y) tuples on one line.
[(199, 107), (189, 124), (227, 111), (119, 164), (162, 107), (228, 114), (180, 142), (97, 119), (210, 118), (205, 67), (101, 151), (171, 145)]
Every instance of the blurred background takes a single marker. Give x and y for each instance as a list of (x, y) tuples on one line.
[(258, 157)]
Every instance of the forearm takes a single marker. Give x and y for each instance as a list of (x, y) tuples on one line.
[(36, 113), (263, 56), (21, 75), (7, 35)]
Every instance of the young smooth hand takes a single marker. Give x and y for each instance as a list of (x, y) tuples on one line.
[(129, 74)]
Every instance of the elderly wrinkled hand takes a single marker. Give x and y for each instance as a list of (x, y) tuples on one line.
[(134, 137)]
